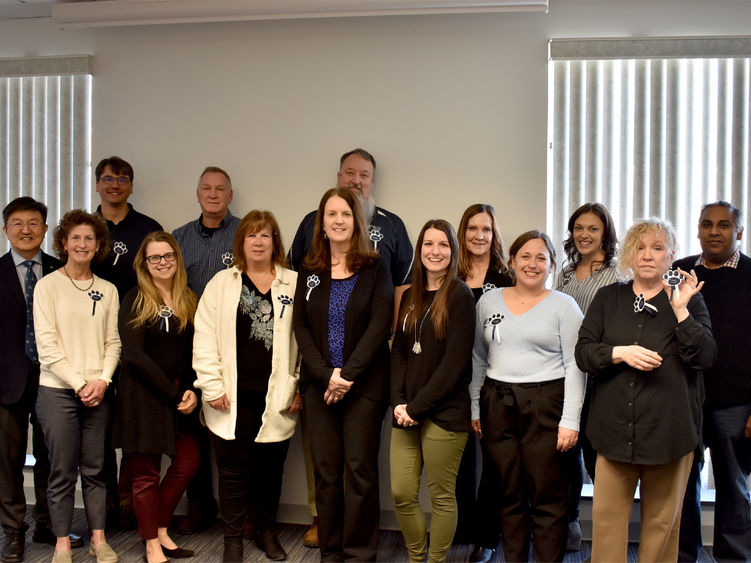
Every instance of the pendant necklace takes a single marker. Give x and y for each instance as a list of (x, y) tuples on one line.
[(74, 283), (416, 348)]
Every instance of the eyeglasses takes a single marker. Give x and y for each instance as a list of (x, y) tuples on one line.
[(122, 180), (154, 259), (18, 225)]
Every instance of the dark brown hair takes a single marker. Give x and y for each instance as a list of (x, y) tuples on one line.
[(24, 203), (524, 238), (609, 238), (497, 253), (73, 219), (253, 222), (412, 306), (117, 165), (362, 153), (360, 253)]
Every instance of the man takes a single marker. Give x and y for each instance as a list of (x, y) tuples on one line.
[(388, 235), (127, 228), (726, 274), (206, 245), (24, 224)]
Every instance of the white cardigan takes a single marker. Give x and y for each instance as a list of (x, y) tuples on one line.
[(215, 357)]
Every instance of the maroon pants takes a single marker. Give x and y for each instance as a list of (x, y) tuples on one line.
[(154, 502)]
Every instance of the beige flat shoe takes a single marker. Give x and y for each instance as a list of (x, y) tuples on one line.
[(103, 553), (62, 557)]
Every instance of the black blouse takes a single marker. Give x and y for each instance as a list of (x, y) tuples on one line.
[(644, 417), (493, 280)]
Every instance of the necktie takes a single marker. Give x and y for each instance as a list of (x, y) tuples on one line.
[(29, 283)]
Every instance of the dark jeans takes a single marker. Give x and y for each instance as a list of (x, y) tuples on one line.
[(250, 472), (154, 502), (345, 438), (14, 427), (75, 437), (520, 429)]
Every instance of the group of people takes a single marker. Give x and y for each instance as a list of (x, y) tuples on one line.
[(213, 339)]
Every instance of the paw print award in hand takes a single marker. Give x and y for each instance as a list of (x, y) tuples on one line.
[(284, 300), (95, 296), (312, 282), (375, 234), (119, 249), (227, 259), (165, 311), (673, 279), (493, 321), (640, 304)]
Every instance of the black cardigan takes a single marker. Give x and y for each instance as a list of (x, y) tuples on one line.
[(435, 383), (367, 322), (154, 373)]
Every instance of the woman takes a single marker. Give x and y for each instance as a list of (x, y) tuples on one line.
[(430, 372), (645, 342), (482, 265), (155, 411), (526, 399), (245, 357), (342, 321), (590, 249), (75, 322)]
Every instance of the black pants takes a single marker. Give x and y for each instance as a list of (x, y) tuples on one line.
[(14, 428), (345, 437), (250, 472), (520, 429)]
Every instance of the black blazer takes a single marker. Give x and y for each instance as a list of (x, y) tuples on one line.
[(14, 365), (368, 322)]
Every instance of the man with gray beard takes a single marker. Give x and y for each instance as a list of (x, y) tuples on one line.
[(389, 237)]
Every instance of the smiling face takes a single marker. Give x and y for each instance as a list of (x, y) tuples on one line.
[(356, 173), (214, 194), (652, 257), (259, 247), (114, 189), (588, 233), (479, 234), (167, 266), (532, 264), (718, 234), (435, 253), (81, 245), (25, 231), (338, 220)]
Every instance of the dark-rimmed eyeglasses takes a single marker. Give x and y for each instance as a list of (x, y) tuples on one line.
[(154, 259)]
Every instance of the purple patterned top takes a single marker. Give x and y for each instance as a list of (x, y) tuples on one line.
[(338, 299)]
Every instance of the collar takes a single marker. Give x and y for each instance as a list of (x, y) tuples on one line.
[(204, 229), (18, 259), (731, 262), (112, 225)]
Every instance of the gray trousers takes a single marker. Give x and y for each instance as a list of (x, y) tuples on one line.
[(75, 437)]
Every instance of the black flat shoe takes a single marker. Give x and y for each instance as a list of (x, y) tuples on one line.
[(146, 559), (42, 534), (178, 552)]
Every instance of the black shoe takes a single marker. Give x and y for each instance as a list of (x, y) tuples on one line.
[(233, 550), (14, 543), (266, 540), (146, 559), (481, 554), (178, 552), (42, 534)]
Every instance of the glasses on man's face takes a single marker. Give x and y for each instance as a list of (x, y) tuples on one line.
[(19, 225), (154, 259), (122, 180)]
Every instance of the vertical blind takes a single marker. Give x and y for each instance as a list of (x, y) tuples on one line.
[(648, 127), (45, 133)]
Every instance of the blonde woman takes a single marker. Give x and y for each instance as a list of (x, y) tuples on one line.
[(156, 406)]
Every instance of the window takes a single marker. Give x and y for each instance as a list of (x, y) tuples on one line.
[(648, 127), (45, 132)]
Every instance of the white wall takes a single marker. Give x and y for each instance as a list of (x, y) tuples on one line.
[(453, 107)]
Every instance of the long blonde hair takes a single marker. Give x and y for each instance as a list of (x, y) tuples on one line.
[(149, 300)]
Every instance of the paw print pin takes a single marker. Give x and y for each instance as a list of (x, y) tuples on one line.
[(640, 304), (95, 296), (227, 259), (375, 234), (284, 300), (311, 283), (165, 311), (487, 287), (494, 320), (673, 279), (119, 249)]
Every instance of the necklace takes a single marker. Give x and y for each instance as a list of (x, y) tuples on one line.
[(74, 283), (416, 348)]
